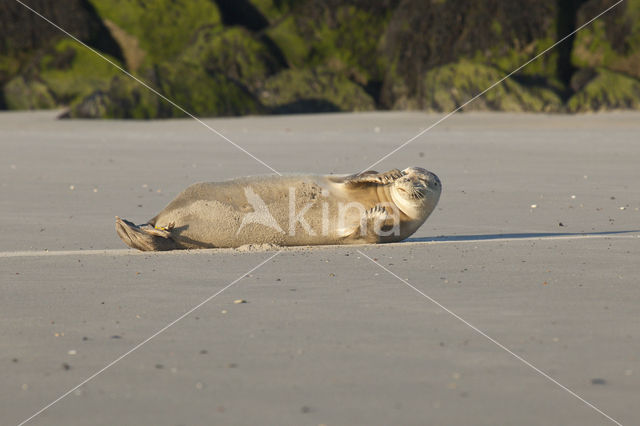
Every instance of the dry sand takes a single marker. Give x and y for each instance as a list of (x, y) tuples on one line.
[(535, 242)]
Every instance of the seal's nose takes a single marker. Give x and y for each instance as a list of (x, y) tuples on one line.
[(435, 179)]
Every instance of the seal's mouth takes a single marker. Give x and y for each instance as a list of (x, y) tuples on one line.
[(413, 192)]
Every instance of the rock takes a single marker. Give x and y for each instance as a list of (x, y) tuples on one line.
[(611, 42), (23, 31), (449, 86), (424, 35), (236, 54), (162, 29), (20, 93), (215, 76), (225, 57), (313, 90), (605, 90)]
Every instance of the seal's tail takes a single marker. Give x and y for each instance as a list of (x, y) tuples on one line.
[(144, 237)]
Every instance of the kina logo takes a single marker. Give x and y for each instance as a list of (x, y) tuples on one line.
[(260, 214)]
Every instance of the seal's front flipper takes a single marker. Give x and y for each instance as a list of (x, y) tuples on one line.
[(370, 177), (377, 223), (145, 237)]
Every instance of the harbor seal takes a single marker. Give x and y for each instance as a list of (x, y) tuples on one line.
[(291, 210)]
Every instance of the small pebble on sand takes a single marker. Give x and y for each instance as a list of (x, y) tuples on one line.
[(72, 352), (239, 301)]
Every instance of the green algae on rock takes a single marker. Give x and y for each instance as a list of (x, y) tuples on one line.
[(612, 42), (449, 86), (216, 75), (32, 94), (190, 87), (60, 76), (162, 27), (317, 90), (235, 53), (234, 57), (604, 90)]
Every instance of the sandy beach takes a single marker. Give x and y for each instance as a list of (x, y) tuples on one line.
[(535, 243)]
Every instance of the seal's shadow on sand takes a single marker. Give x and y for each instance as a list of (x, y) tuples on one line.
[(514, 236)]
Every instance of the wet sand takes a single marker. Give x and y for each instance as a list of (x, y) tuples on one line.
[(535, 242)]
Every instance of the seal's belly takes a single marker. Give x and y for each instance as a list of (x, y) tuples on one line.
[(295, 210)]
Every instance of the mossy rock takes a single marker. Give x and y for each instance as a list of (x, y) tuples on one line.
[(424, 35), (604, 90), (285, 34), (9, 67), (342, 35), (162, 27), (204, 93), (235, 53), (124, 98), (348, 41), (611, 42), (72, 72), (216, 75), (20, 93), (61, 76), (188, 85), (319, 90), (273, 10), (449, 86)]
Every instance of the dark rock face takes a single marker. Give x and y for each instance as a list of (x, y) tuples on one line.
[(224, 57), (243, 13), (425, 34), (22, 30)]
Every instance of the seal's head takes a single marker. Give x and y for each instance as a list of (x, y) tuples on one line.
[(417, 192)]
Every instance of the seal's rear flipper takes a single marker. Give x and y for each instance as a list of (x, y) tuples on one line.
[(144, 237)]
